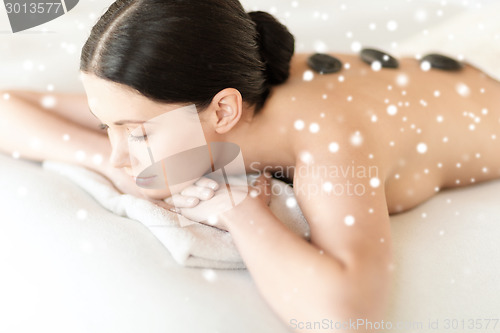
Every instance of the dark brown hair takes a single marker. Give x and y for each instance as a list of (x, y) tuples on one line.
[(186, 51)]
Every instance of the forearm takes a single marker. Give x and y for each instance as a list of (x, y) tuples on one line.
[(37, 134), (71, 106), (296, 278)]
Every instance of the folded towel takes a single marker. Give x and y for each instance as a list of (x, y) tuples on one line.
[(191, 244)]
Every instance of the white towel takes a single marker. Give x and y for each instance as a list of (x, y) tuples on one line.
[(193, 244)]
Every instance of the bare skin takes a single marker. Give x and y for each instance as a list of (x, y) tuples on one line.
[(449, 142), (346, 266)]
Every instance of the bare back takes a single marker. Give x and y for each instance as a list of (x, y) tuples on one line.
[(427, 130)]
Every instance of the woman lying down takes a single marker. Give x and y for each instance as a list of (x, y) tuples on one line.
[(361, 136)]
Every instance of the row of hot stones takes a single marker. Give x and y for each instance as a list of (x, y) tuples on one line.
[(326, 64)]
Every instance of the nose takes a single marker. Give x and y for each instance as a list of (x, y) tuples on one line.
[(119, 155)]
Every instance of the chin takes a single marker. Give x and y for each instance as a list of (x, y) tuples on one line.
[(156, 194)]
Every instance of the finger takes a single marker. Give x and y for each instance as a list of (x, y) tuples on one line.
[(202, 193), (207, 182), (181, 201), (166, 206)]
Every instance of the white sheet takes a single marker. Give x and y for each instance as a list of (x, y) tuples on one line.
[(110, 274)]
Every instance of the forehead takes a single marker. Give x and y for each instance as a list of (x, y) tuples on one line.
[(105, 96), (101, 92)]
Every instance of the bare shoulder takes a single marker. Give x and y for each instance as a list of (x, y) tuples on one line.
[(341, 194)]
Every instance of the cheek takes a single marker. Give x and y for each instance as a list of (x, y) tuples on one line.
[(170, 144), (161, 194)]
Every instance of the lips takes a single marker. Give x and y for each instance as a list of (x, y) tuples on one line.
[(144, 181)]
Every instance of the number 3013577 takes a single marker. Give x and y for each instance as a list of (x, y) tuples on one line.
[(33, 8)]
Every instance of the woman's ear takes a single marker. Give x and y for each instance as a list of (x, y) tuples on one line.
[(228, 107)]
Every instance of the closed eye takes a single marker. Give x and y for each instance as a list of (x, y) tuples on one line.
[(136, 138)]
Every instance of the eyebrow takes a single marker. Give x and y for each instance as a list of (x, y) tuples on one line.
[(121, 122)]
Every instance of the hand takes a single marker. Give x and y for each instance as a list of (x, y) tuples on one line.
[(206, 212), (203, 189)]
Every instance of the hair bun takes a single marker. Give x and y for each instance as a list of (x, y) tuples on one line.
[(277, 46)]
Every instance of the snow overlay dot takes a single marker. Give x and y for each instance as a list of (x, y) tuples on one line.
[(314, 128), (81, 214), (356, 46), (392, 25), (425, 66), (356, 139), (422, 148), (349, 220), (291, 202), (327, 187), (333, 147), (299, 124), (308, 75), (376, 66), (80, 155), (48, 102), (392, 110), (209, 274), (420, 15), (97, 159), (402, 79), (306, 157), (212, 219), (462, 89), (375, 182), (28, 65)]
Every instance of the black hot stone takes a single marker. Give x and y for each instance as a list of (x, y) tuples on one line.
[(386, 60), (324, 63), (442, 62)]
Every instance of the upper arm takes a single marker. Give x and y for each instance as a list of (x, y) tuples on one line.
[(347, 215), (71, 106)]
